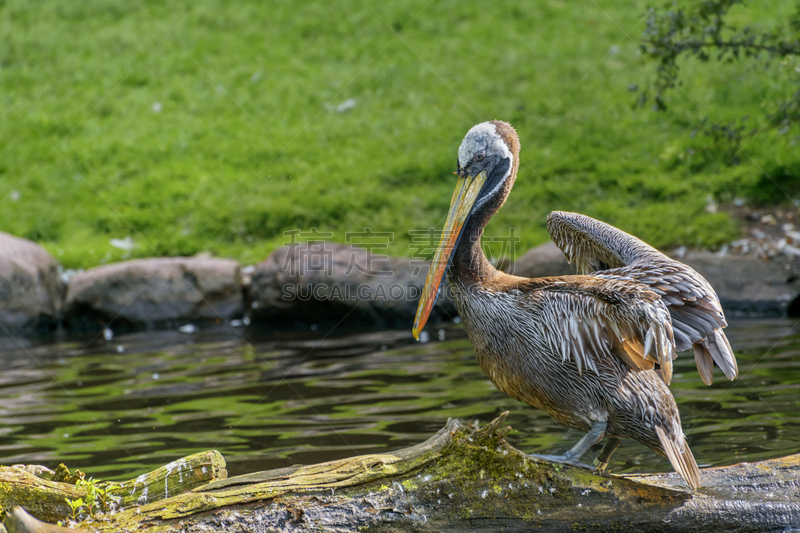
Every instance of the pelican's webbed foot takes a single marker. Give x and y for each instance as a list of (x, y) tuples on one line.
[(565, 459), (573, 456)]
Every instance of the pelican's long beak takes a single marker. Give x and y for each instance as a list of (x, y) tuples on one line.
[(464, 197)]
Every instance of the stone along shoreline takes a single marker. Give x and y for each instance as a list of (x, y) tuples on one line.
[(302, 286)]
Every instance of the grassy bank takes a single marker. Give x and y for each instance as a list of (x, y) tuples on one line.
[(215, 126)]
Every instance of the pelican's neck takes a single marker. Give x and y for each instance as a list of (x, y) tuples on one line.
[(469, 264)]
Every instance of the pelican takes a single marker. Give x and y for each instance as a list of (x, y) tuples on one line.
[(593, 350)]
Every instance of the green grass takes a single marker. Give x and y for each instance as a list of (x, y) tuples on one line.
[(247, 145)]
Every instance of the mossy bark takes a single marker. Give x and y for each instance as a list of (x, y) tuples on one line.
[(462, 479), (43, 498), (46, 498), (176, 477)]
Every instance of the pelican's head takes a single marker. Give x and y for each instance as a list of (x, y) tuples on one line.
[(487, 162)]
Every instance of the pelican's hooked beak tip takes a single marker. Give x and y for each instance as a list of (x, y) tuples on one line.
[(415, 332)]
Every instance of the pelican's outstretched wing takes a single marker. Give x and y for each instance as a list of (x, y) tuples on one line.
[(603, 251)]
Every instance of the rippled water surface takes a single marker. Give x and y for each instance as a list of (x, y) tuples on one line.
[(122, 407)]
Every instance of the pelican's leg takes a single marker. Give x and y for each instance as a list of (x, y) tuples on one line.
[(573, 456), (601, 462)]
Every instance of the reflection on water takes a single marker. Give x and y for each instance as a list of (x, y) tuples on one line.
[(119, 408)]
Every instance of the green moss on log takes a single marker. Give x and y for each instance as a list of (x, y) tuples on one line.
[(43, 498), (458, 478)]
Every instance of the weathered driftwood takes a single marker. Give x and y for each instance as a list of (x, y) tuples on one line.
[(462, 479), (46, 498), (43, 498), (176, 477)]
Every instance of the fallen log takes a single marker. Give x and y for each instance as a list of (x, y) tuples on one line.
[(44, 494), (472, 479)]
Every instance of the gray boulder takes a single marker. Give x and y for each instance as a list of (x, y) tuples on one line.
[(30, 288), (330, 283), (157, 291), (746, 285), (540, 262)]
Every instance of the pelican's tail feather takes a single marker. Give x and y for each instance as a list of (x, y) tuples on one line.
[(682, 461)]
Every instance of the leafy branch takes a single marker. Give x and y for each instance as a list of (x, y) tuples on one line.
[(703, 30)]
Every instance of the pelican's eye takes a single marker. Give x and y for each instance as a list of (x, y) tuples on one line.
[(480, 156)]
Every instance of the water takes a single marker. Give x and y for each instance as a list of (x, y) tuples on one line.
[(120, 407)]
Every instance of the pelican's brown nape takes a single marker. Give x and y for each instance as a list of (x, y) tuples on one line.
[(593, 350)]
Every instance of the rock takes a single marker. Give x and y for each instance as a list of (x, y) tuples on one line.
[(746, 285), (542, 261), (157, 291), (31, 291), (330, 283)]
